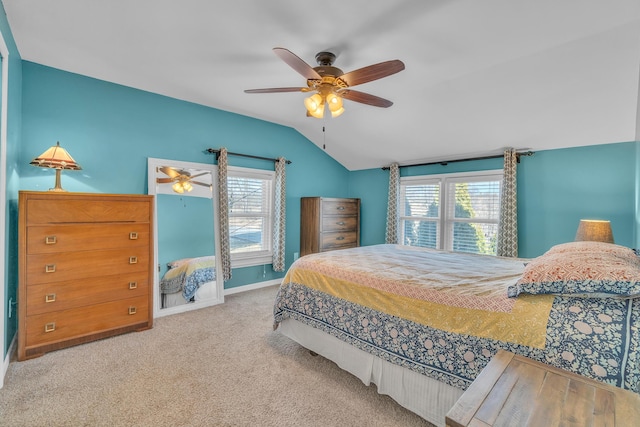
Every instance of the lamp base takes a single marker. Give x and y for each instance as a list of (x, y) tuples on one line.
[(58, 186)]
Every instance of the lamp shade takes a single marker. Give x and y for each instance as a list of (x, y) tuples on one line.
[(594, 230), (56, 158)]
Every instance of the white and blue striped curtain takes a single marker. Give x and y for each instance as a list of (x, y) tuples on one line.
[(508, 228), (392, 206), (223, 215), (280, 208)]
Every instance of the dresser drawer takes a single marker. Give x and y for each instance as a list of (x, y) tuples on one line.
[(57, 267), (63, 238), (339, 240), (75, 209), (336, 223), (61, 325), (55, 296), (339, 207)]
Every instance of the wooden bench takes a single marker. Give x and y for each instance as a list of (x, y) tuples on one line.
[(513, 390)]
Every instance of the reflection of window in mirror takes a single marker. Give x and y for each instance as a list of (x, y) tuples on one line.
[(186, 240)]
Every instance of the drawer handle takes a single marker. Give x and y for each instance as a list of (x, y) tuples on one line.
[(133, 260), (50, 268), (340, 223), (133, 235), (340, 238), (132, 310), (340, 208), (50, 327), (50, 298), (50, 240), (133, 285)]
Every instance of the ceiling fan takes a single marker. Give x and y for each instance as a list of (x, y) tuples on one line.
[(331, 85), (181, 179)]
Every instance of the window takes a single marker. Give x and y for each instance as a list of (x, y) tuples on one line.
[(455, 212), (250, 215)]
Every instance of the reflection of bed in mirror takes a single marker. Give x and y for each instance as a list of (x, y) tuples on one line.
[(188, 280)]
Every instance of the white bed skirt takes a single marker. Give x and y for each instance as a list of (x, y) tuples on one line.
[(206, 290), (429, 398)]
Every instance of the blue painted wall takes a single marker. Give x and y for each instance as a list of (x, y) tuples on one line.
[(111, 130), (556, 188), (186, 228)]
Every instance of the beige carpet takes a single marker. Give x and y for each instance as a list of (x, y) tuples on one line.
[(218, 366)]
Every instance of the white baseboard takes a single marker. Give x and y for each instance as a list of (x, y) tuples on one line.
[(7, 359), (251, 286)]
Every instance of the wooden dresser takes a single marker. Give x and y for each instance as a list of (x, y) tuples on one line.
[(327, 224), (85, 268)]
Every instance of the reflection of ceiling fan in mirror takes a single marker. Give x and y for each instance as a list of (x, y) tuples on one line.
[(182, 179)]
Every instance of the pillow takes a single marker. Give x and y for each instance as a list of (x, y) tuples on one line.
[(596, 247), (579, 272), (178, 263)]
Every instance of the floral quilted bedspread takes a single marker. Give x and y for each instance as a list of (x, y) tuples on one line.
[(446, 314), (188, 277)]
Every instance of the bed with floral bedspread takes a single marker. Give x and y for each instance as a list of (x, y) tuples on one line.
[(187, 275), (444, 314)]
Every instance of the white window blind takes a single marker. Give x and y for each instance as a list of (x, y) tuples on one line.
[(457, 212), (420, 213), (250, 212)]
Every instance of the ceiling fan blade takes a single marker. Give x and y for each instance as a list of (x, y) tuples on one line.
[(169, 171), (278, 89), (204, 184), (200, 174), (164, 180), (372, 72), (296, 63), (365, 98)]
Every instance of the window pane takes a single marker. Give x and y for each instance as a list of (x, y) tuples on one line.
[(421, 233), (246, 195), (476, 199), (246, 234), (422, 200), (478, 238), (249, 213)]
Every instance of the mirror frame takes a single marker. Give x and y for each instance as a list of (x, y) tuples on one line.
[(152, 164), (4, 105)]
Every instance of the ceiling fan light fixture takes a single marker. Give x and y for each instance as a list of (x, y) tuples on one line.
[(335, 104), (313, 102), (315, 105), (177, 187), (337, 112)]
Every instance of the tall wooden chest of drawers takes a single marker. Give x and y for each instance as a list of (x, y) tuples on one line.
[(85, 268), (327, 224)]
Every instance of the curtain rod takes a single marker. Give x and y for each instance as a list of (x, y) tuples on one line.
[(446, 162), (217, 152)]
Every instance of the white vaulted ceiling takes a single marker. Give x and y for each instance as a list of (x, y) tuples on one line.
[(481, 75)]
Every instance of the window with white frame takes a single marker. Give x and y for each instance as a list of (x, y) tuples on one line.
[(456, 212), (251, 204)]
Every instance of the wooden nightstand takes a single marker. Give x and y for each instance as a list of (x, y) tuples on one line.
[(513, 390)]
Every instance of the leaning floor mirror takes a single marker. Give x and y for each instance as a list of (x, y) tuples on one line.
[(186, 237)]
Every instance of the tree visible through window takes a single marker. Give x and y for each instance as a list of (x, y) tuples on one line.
[(457, 212)]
